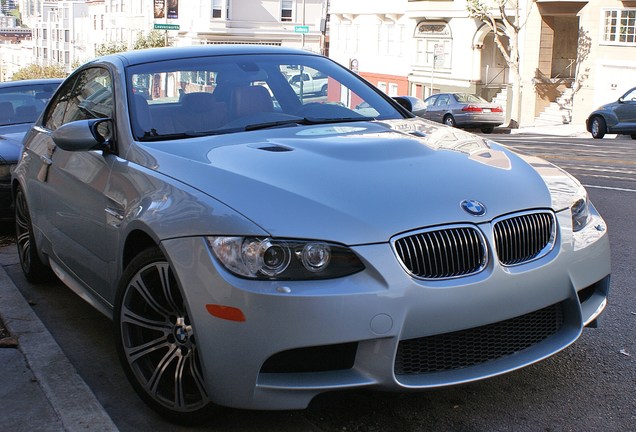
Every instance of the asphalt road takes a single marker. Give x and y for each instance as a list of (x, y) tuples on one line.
[(590, 386)]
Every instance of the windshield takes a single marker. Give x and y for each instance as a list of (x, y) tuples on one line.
[(224, 94), (23, 104)]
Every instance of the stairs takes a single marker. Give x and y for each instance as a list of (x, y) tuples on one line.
[(501, 98), (558, 112)]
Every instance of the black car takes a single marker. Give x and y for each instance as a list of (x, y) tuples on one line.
[(21, 103), (614, 118)]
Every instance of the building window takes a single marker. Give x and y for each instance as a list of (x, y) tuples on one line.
[(67, 36), (434, 44), (217, 9), (286, 10), (619, 26)]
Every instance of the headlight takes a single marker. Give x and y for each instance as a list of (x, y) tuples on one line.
[(580, 213), (280, 259)]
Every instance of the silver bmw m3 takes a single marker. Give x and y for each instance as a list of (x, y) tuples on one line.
[(257, 244)]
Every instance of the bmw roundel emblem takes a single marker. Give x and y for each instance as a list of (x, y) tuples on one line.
[(473, 207)]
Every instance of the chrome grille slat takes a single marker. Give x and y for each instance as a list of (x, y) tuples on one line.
[(522, 238), (442, 253)]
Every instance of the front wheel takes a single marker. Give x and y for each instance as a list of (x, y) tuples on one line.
[(487, 130), (449, 120), (599, 128), (156, 342), (33, 268)]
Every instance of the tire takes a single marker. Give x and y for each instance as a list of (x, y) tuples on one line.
[(323, 90), (633, 136), (156, 343), (449, 120), (33, 268), (487, 130), (598, 128)]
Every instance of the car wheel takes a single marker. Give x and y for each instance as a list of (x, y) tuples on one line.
[(487, 130), (33, 268), (156, 343), (323, 90), (449, 120), (633, 136), (599, 128)]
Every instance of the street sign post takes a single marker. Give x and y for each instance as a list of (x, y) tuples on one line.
[(166, 27)]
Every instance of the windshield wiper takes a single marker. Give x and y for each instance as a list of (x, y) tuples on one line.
[(154, 136), (304, 121)]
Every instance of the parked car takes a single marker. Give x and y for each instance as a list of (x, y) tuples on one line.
[(614, 118), (254, 258), (413, 104), (307, 82), (463, 110), (21, 102)]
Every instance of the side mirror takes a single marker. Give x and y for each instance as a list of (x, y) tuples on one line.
[(84, 135), (404, 103)]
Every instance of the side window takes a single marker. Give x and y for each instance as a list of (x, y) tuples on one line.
[(92, 96), (88, 95), (429, 102), (442, 100), (55, 114)]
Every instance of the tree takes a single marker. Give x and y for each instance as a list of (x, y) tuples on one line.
[(154, 39), (34, 71), (495, 17), (110, 47)]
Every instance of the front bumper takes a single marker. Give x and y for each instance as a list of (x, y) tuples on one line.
[(300, 339)]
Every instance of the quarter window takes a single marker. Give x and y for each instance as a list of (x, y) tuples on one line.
[(619, 26)]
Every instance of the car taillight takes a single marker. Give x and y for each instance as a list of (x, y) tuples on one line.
[(497, 109), (471, 108)]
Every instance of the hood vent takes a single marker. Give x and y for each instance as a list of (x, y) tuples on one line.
[(275, 148)]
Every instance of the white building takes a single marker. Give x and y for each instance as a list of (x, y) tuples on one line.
[(13, 57), (69, 31), (575, 55)]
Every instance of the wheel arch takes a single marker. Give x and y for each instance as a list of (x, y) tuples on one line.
[(136, 242)]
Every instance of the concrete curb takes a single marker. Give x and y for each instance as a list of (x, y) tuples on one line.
[(72, 400)]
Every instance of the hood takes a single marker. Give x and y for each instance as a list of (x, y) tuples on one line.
[(353, 183), (11, 142)]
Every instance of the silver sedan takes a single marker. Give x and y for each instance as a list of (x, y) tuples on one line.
[(463, 110), (255, 248)]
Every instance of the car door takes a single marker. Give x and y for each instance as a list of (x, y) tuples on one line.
[(71, 184), (626, 112), (429, 103), (440, 108)]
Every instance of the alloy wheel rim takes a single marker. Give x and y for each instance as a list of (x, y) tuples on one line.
[(158, 340), (23, 237)]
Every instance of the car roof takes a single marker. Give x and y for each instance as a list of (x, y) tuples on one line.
[(173, 53), (20, 83)]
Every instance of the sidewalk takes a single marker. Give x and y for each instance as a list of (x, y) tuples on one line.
[(563, 130), (39, 388)]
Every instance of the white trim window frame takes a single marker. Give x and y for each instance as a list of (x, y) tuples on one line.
[(619, 27), (434, 45)]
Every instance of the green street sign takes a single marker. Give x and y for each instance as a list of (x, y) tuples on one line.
[(301, 29), (166, 26)]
